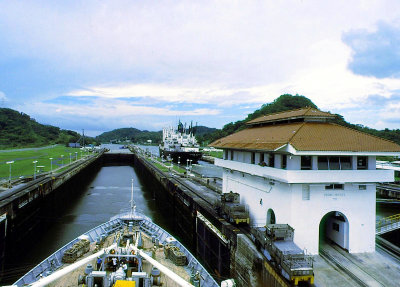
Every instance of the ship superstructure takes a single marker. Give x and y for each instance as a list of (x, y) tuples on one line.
[(180, 145)]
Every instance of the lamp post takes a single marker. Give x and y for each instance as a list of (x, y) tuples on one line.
[(179, 160), (62, 160), (51, 164), (70, 158), (10, 163), (34, 169)]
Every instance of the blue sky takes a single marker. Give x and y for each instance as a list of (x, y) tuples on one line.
[(100, 65)]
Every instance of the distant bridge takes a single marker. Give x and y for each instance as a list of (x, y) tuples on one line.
[(387, 224)]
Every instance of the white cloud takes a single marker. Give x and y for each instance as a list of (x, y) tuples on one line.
[(217, 54), (2, 96), (113, 109), (228, 43)]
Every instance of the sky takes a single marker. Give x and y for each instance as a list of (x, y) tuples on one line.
[(101, 65)]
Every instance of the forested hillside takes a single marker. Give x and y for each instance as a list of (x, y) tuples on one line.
[(132, 134), (20, 130), (141, 137), (283, 103), (288, 102)]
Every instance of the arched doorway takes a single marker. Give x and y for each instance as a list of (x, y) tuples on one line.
[(271, 217), (334, 228)]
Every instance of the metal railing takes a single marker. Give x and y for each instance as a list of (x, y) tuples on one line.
[(387, 224)]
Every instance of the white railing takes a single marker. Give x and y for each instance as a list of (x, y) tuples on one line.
[(308, 176)]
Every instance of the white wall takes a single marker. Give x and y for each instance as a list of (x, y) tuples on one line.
[(309, 176), (252, 189), (305, 215), (357, 205), (339, 237), (372, 162), (293, 163), (247, 157)]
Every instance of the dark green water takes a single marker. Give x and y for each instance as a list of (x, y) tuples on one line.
[(106, 195)]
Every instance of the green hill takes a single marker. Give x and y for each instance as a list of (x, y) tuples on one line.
[(20, 130), (138, 136), (289, 102), (131, 134)]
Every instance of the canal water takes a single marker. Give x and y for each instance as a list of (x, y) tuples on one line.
[(107, 194)]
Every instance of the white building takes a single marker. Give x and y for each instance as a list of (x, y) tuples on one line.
[(298, 168)]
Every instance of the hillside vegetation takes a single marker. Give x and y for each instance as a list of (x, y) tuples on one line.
[(141, 137), (131, 134), (289, 102), (20, 130), (283, 103)]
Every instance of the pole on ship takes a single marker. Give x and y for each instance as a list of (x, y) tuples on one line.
[(132, 205)]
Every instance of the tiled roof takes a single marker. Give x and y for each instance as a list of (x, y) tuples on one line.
[(306, 136), (293, 114)]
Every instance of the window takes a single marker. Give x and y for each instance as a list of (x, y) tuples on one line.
[(271, 160), (231, 154), (253, 158), (335, 226), (362, 162), (261, 157), (362, 187), (345, 162), (306, 162), (334, 162), (323, 162), (226, 154), (334, 186), (284, 161)]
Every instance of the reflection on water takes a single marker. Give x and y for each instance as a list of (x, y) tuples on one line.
[(108, 194)]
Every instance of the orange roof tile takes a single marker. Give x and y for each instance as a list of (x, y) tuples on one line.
[(293, 114), (306, 136)]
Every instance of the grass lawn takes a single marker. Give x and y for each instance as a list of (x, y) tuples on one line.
[(160, 166), (164, 166), (23, 160), (217, 154)]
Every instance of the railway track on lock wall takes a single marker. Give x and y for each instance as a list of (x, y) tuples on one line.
[(356, 272), (188, 187), (385, 246)]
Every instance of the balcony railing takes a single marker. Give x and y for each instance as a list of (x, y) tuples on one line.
[(308, 176)]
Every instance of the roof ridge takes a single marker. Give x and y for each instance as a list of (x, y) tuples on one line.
[(281, 112), (309, 109), (299, 128)]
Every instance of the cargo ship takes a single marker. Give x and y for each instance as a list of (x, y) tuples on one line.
[(128, 250), (180, 145)]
